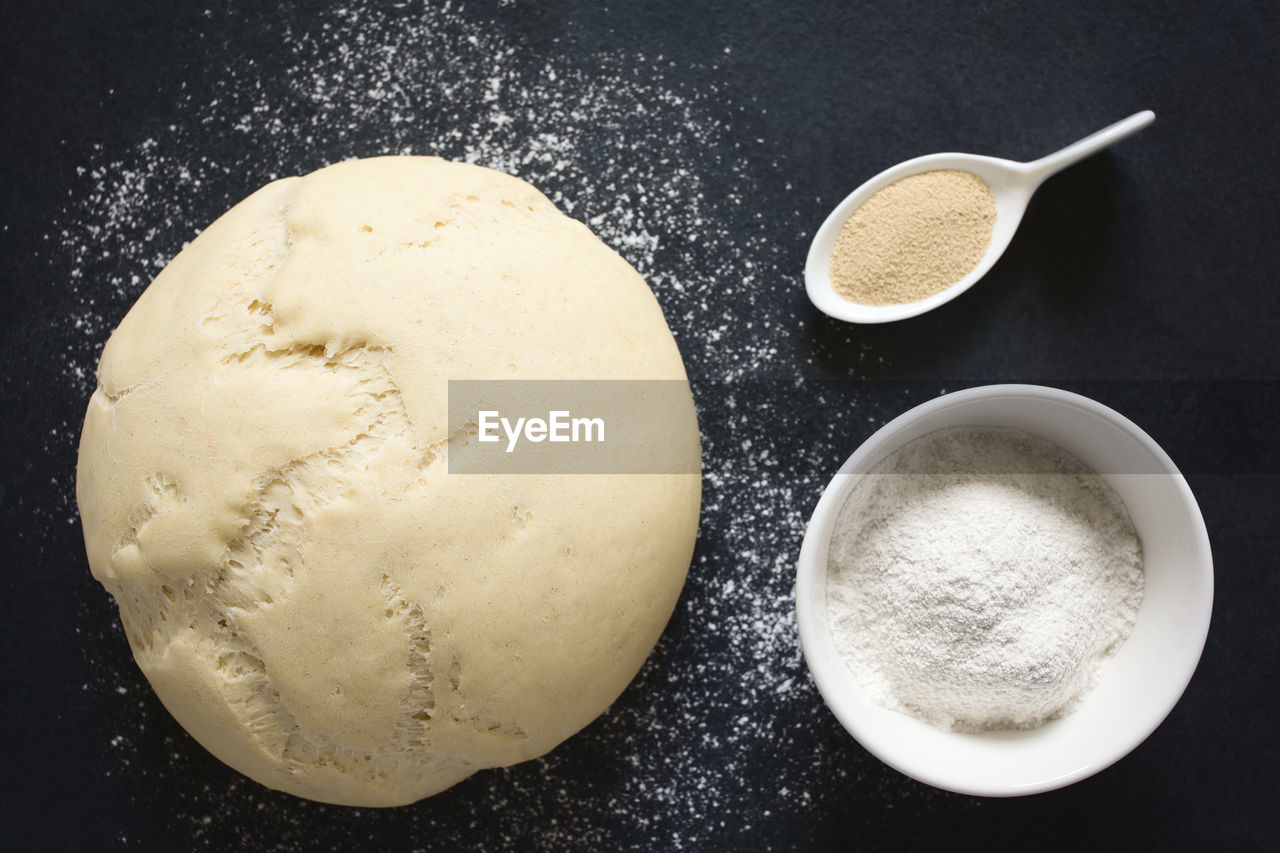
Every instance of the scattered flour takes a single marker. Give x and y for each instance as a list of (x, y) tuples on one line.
[(653, 158), (616, 142)]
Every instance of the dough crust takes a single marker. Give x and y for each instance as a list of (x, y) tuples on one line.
[(263, 485)]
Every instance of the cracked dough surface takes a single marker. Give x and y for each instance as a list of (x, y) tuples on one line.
[(263, 487)]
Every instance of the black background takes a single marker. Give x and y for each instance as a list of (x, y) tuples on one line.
[(1145, 277)]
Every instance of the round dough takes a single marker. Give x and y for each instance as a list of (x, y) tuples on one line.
[(263, 484)]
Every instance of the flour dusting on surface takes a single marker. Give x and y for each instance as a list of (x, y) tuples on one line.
[(614, 145), (614, 142)]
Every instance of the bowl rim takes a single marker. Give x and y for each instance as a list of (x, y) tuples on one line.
[(810, 570)]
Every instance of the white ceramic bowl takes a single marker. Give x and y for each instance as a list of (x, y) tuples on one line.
[(1145, 678)]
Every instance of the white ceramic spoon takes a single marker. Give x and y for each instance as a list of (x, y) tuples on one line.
[(1011, 182)]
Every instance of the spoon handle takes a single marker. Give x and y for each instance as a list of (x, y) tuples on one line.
[(1091, 144)]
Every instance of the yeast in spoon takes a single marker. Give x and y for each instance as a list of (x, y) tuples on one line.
[(914, 238), (905, 290)]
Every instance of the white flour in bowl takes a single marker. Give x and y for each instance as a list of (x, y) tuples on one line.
[(981, 579)]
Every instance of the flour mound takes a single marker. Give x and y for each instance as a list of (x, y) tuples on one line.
[(982, 579)]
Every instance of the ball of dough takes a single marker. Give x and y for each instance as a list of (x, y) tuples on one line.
[(264, 490)]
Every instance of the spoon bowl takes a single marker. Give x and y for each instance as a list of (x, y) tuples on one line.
[(1012, 183)]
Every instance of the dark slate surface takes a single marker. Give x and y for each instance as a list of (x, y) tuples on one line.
[(708, 141)]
